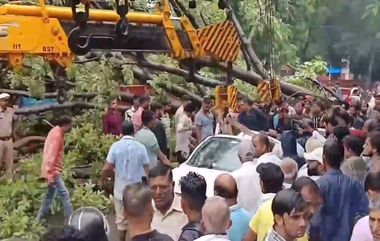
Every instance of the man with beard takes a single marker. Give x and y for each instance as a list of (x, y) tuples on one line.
[(372, 149), (314, 167)]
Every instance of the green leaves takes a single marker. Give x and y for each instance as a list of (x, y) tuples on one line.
[(85, 196), (306, 71), (32, 76)]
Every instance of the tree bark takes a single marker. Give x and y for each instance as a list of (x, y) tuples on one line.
[(24, 141), (254, 78)]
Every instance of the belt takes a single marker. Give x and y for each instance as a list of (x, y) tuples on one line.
[(5, 138)]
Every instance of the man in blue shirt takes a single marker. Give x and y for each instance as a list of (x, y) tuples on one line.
[(130, 160), (344, 198), (225, 186)]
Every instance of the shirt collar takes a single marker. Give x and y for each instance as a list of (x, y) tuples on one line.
[(235, 207), (128, 137), (333, 172), (276, 236), (176, 206)]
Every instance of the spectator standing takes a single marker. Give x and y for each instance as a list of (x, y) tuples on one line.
[(247, 178), (130, 160), (112, 120), (52, 166), (341, 191), (215, 220), (225, 187), (128, 115), (271, 180), (354, 165), (159, 129), (264, 150), (184, 102), (372, 149), (6, 134), (168, 215), (204, 121), (363, 228), (291, 217), (166, 121), (251, 117), (138, 210), (184, 129), (311, 194), (357, 121), (146, 137), (193, 197), (144, 104), (314, 167)]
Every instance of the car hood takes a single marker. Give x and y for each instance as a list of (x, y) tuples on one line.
[(209, 174)]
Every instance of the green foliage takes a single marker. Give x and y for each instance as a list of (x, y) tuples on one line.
[(84, 195), (20, 201), (306, 71), (87, 145), (32, 77), (247, 89)]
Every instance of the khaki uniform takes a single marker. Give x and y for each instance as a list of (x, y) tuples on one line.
[(6, 142)]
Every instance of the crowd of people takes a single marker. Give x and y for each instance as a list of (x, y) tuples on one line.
[(321, 184)]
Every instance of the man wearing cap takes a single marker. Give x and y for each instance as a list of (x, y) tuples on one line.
[(6, 133), (247, 178), (314, 165), (204, 121)]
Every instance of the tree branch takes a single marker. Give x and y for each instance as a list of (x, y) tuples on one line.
[(179, 91), (180, 72)]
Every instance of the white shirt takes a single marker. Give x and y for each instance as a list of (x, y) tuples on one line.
[(183, 138), (302, 172), (269, 157), (264, 197), (178, 113), (213, 237), (248, 183)]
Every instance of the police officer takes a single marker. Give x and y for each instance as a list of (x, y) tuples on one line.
[(6, 132)]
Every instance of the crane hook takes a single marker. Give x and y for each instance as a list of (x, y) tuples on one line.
[(121, 27), (75, 46)]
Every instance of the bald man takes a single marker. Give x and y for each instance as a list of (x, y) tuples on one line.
[(138, 210), (225, 186), (264, 152), (215, 220)]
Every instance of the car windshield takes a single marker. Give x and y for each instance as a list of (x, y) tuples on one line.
[(220, 153)]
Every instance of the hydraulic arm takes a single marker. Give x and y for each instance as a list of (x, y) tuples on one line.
[(58, 33)]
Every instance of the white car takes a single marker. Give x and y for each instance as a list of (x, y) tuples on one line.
[(216, 155)]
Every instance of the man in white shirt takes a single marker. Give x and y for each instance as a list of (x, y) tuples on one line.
[(185, 101), (314, 165), (184, 129), (247, 178), (215, 220), (264, 150)]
